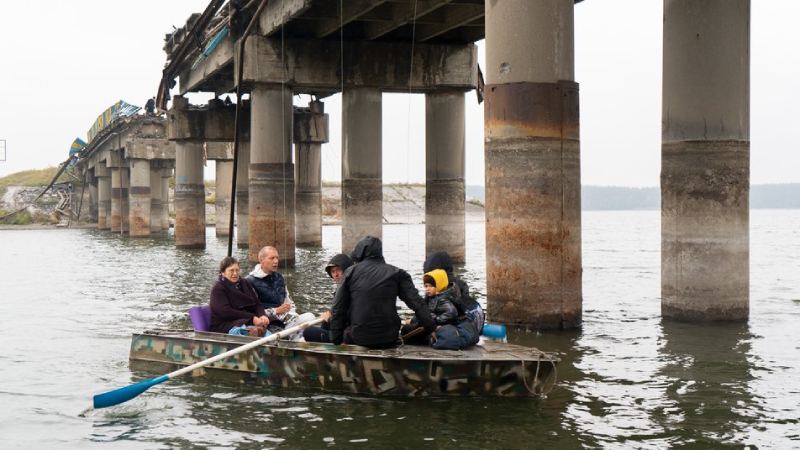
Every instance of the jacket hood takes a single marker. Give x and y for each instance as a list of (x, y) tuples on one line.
[(438, 260), (340, 260), (258, 272), (439, 278), (367, 248)]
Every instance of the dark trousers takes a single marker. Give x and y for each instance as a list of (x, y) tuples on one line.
[(316, 334)]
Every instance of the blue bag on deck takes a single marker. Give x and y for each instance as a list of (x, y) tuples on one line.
[(456, 337)]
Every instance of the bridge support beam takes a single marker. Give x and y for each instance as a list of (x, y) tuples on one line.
[(140, 197), (190, 196), (271, 173), (222, 203), (444, 173), (705, 160), (125, 199), (116, 199), (243, 195), (533, 215), (166, 174), (93, 201), (310, 132), (156, 204), (362, 182), (103, 196)]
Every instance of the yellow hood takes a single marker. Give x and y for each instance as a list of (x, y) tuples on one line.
[(440, 277)]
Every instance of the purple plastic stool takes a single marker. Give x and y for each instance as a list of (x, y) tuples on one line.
[(201, 317)]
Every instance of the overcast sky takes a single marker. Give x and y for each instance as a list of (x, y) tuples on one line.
[(63, 63)]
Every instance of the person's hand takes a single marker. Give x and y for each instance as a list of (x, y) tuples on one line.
[(283, 309), (325, 316), (433, 338), (262, 321), (408, 321)]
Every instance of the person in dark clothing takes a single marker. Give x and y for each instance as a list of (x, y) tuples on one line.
[(465, 304), (439, 296), (234, 303), (365, 307), (335, 269)]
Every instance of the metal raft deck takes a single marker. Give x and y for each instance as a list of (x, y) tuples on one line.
[(491, 369)]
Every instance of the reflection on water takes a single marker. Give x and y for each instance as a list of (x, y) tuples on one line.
[(71, 299)]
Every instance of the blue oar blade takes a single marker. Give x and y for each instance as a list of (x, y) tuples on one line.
[(126, 393)]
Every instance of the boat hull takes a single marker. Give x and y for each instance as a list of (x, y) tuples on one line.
[(492, 369)]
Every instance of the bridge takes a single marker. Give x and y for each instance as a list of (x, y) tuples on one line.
[(272, 49)]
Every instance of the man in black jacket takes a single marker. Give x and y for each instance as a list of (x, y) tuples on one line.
[(364, 309)]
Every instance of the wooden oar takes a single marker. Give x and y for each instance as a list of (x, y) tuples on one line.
[(126, 393)]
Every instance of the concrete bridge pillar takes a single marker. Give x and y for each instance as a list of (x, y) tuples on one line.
[(119, 191), (91, 179), (362, 183), (271, 173), (156, 204), (222, 204), (444, 173), (103, 196), (140, 196), (533, 214), (310, 132), (190, 196), (705, 160), (125, 201), (166, 175), (243, 195)]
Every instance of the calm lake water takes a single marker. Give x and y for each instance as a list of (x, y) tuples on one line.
[(72, 298)]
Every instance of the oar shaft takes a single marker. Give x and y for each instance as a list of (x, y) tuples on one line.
[(244, 348)]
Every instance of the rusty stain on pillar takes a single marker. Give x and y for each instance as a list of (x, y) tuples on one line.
[(103, 202), (271, 212), (243, 195), (190, 198), (140, 198), (705, 160), (155, 199), (310, 132), (533, 215), (222, 203), (362, 183), (444, 173)]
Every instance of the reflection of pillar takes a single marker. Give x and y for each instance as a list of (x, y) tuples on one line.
[(533, 215), (310, 131), (271, 173), (103, 202), (124, 200), (222, 204), (242, 194), (444, 173), (155, 203), (705, 160), (362, 190), (166, 175), (190, 207), (116, 204), (140, 198)]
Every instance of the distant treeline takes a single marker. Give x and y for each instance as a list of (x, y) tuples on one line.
[(765, 196)]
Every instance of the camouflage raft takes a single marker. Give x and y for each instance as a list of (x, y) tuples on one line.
[(491, 369)]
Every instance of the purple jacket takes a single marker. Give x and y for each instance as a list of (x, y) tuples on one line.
[(231, 307)]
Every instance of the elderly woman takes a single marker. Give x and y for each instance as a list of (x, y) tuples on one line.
[(235, 307)]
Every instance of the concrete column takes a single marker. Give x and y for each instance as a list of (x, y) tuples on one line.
[(103, 202), (140, 198), (166, 175), (243, 195), (93, 206), (362, 184), (705, 160), (190, 199), (533, 213), (156, 205), (271, 173), (116, 200), (444, 173), (222, 206), (310, 131), (125, 202)]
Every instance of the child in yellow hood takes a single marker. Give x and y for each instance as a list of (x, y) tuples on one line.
[(439, 295)]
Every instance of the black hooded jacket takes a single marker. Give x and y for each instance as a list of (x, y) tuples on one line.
[(366, 301)]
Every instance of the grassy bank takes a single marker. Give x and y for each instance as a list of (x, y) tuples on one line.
[(35, 177)]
